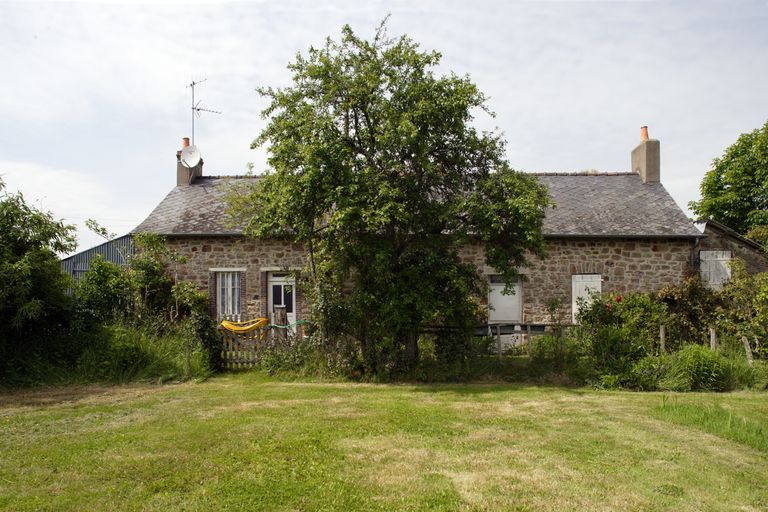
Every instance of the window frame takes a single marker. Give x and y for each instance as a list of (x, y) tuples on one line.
[(229, 291)]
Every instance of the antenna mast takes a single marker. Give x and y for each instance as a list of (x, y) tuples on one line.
[(196, 108)]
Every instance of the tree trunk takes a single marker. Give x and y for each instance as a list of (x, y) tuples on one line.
[(411, 350)]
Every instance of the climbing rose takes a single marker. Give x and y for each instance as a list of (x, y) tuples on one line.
[(618, 298)]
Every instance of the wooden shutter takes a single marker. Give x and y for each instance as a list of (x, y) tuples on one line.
[(714, 268), (583, 286), (264, 295), (212, 294)]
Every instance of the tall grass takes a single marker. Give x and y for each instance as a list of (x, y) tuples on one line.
[(716, 420), (127, 352)]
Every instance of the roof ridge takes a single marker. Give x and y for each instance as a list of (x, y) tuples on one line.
[(584, 173), (225, 176)]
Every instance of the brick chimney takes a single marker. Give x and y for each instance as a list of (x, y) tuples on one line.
[(646, 158), (185, 175)]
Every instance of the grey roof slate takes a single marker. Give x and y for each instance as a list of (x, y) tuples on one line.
[(612, 205), (196, 209), (587, 205)]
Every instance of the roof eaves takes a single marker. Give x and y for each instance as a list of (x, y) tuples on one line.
[(733, 233)]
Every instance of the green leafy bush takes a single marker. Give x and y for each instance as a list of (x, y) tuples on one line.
[(692, 309), (696, 368), (620, 330), (648, 372), (125, 352), (34, 306)]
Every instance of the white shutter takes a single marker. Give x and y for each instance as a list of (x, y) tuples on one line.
[(714, 268), (584, 286), (504, 308)]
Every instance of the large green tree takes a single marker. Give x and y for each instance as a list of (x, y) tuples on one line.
[(33, 300), (378, 171), (735, 190)]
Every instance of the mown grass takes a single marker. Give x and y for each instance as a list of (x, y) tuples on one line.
[(247, 442)]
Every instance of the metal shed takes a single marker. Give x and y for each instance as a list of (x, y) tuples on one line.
[(116, 251)]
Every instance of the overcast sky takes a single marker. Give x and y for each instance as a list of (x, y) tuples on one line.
[(94, 103)]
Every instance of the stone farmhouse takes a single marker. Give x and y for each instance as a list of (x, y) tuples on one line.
[(609, 232)]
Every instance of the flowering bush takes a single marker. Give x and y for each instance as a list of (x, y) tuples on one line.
[(620, 330)]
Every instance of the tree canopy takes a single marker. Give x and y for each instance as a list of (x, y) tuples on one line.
[(377, 169), (735, 190), (33, 285)]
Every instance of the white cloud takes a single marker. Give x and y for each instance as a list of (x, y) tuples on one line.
[(101, 85), (72, 197)]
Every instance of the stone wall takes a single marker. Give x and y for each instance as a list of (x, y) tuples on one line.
[(625, 266), (205, 253), (717, 240)]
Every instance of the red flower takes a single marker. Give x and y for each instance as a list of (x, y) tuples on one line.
[(608, 306), (618, 298)]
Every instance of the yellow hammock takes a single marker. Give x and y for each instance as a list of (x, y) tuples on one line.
[(244, 327)]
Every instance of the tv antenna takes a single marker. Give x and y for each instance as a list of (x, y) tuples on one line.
[(196, 108)]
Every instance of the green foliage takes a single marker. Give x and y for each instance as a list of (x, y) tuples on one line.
[(127, 352), (696, 368), (146, 287), (648, 372), (717, 420), (692, 309), (379, 173), (745, 308), (33, 300), (735, 190), (620, 330), (759, 234), (106, 291)]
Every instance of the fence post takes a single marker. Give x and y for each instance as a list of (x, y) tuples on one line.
[(662, 338), (281, 318), (712, 339), (498, 340), (747, 349), (530, 340)]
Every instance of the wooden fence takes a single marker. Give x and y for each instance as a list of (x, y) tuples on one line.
[(523, 335), (243, 350)]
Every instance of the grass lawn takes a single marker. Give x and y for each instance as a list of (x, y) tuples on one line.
[(244, 441)]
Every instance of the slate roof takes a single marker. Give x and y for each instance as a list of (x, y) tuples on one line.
[(197, 209), (587, 205), (612, 205)]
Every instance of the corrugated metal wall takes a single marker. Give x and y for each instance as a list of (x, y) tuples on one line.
[(116, 251)]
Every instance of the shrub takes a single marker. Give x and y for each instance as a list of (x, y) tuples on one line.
[(692, 308), (126, 352), (620, 330), (648, 372), (696, 368)]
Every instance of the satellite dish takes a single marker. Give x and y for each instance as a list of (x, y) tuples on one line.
[(190, 156)]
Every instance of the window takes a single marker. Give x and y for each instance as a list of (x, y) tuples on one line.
[(583, 286), (714, 268), (227, 294)]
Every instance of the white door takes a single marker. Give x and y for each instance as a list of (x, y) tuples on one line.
[(504, 308), (584, 286), (281, 290)]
